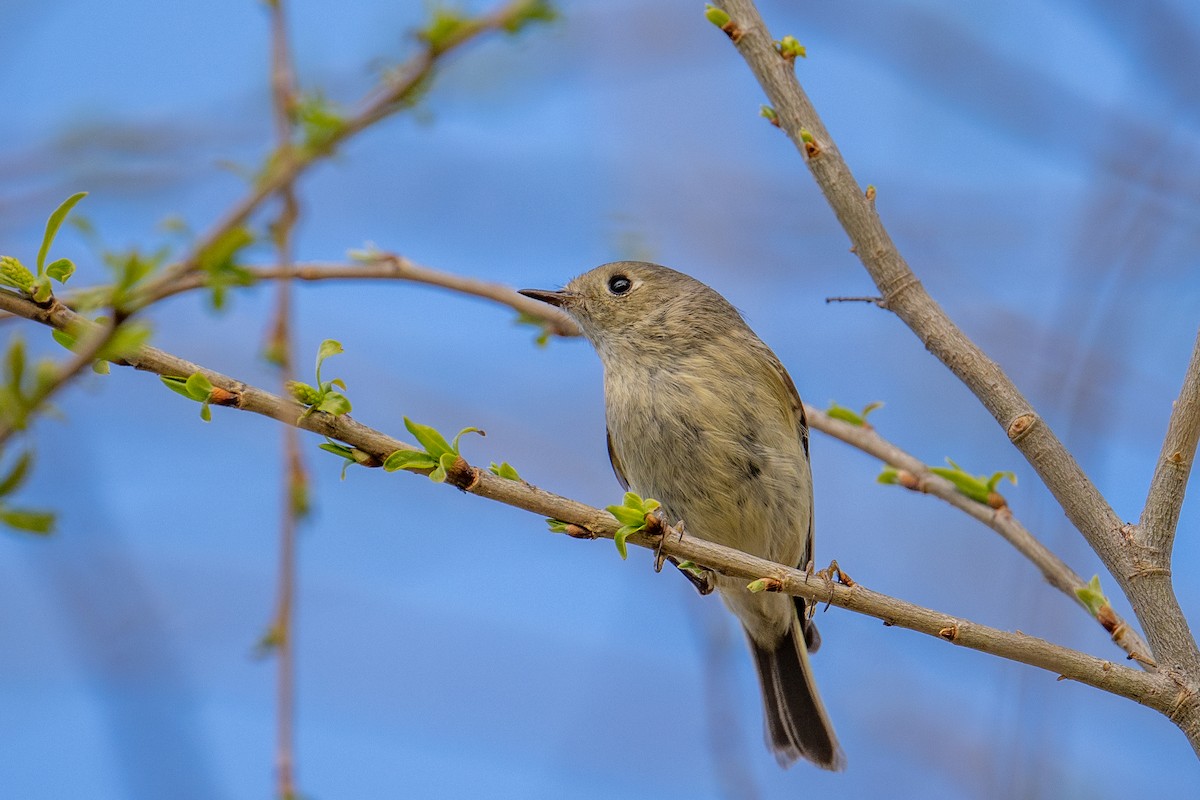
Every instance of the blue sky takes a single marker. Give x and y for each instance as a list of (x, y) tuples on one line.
[(1035, 162)]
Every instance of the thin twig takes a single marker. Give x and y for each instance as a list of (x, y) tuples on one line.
[(1148, 588), (389, 266), (1053, 569), (1161, 513), (1157, 691)]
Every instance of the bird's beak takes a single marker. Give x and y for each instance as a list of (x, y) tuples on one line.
[(559, 299)]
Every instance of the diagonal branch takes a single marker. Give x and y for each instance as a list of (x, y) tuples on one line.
[(1053, 569), (1148, 587), (1153, 690), (1161, 514)]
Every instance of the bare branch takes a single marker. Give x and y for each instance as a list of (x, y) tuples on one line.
[(1161, 514), (1053, 569), (1148, 587), (389, 266), (1153, 690)]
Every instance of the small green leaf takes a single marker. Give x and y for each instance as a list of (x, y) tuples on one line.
[(198, 387), (693, 568), (338, 450), (999, 476), (125, 341), (459, 435), (716, 15), (334, 403), (408, 459), (532, 11), (63, 338), (623, 533), (52, 226), (329, 347), (1092, 596), (39, 522), (760, 585), (61, 269), (504, 470), (15, 362), (556, 525), (100, 367), (16, 476), (205, 412), (889, 476), (444, 29), (434, 443), (177, 385), (790, 48), (768, 113)]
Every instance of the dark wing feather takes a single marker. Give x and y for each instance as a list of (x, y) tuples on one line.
[(616, 463)]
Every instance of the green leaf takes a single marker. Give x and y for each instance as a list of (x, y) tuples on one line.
[(63, 338), (454, 444), (889, 476), (434, 443), (52, 226), (408, 459), (334, 403), (100, 367), (790, 48), (125, 341), (16, 476), (999, 476), (556, 525), (444, 465), (1092, 596), (532, 11), (177, 385), (623, 533), (15, 359), (760, 585), (444, 29), (338, 450), (715, 15), (39, 522), (329, 347), (504, 470), (302, 392), (854, 418), (198, 387), (61, 269)]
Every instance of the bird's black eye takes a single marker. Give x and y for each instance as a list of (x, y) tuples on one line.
[(619, 284)]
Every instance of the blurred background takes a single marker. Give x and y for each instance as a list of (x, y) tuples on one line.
[(1038, 164)]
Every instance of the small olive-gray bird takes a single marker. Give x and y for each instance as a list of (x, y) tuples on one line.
[(703, 418)]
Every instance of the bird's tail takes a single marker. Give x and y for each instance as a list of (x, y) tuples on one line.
[(797, 725)]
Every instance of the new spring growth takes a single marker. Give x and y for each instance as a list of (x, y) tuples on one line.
[(768, 113), (194, 387), (322, 397), (634, 515), (858, 418), (22, 519), (15, 274), (790, 48), (439, 456), (720, 18), (811, 148)]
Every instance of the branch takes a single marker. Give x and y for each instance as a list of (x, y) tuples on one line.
[(389, 266), (1153, 690), (1148, 589), (1053, 569), (287, 163), (1161, 513)]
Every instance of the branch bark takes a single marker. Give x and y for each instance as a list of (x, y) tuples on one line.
[(1158, 691), (1160, 517), (1148, 588), (1053, 569)]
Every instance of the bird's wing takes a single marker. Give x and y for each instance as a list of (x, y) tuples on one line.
[(791, 398), (616, 463)]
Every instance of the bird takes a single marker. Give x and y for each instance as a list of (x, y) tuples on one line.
[(702, 417)]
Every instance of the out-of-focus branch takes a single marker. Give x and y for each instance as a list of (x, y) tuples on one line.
[(280, 350), (388, 266), (1001, 520), (1148, 587), (1157, 691), (396, 92), (1161, 514)]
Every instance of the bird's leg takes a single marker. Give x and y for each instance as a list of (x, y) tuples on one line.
[(703, 579)]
